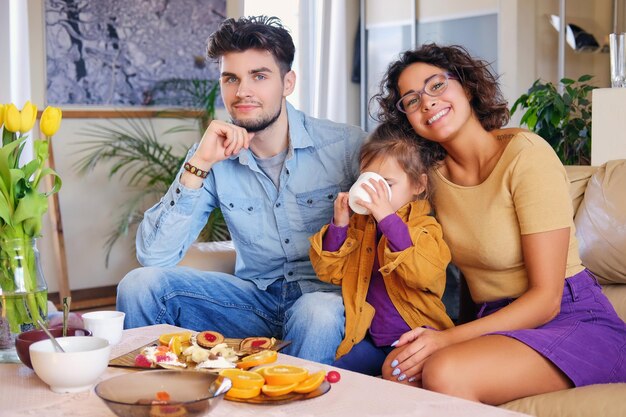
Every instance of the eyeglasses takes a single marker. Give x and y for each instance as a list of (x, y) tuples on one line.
[(434, 86)]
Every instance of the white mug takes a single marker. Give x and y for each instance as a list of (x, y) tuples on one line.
[(357, 192), (106, 324)]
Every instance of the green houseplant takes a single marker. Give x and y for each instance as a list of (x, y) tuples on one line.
[(23, 202), (135, 154), (563, 119)]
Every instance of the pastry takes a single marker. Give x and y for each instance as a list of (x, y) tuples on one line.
[(209, 339), (253, 344)]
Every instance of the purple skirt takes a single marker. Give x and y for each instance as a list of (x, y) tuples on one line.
[(586, 340)]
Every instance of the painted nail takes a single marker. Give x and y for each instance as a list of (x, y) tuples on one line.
[(402, 377), (395, 343), (412, 379), (395, 372), (394, 363)]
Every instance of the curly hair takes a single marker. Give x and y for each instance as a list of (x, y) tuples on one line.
[(391, 141), (254, 32), (486, 99)]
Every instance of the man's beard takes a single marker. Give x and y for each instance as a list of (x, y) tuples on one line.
[(259, 124)]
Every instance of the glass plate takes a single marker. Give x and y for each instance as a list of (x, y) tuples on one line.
[(283, 399)]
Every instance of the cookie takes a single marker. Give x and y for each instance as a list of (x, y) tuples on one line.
[(209, 338), (257, 343)]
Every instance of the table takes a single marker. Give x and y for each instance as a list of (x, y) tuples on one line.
[(22, 393)]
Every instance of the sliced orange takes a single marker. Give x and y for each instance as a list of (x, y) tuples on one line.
[(259, 358), (175, 345), (243, 393), (278, 390), (243, 379), (260, 371), (184, 337), (311, 383), (284, 375)]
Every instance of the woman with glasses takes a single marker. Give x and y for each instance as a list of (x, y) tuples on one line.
[(502, 197)]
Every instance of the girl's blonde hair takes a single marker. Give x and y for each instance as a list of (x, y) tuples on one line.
[(391, 141)]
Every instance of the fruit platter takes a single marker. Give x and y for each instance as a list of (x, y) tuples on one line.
[(206, 351), (249, 363), (275, 384)]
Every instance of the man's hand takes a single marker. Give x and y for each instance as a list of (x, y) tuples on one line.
[(221, 140), (341, 215)]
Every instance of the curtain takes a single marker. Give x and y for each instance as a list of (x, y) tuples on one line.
[(326, 51)]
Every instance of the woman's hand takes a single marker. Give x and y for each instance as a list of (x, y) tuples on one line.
[(341, 215), (405, 363)]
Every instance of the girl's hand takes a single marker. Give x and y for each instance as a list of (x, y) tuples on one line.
[(405, 363), (380, 205), (341, 215)]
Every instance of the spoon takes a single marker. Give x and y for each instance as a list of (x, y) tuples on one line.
[(56, 344), (220, 386), (66, 312)]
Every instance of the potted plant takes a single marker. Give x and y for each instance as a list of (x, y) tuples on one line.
[(563, 119), (148, 165), (23, 290)]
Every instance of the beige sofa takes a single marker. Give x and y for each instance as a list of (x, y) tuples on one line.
[(599, 198)]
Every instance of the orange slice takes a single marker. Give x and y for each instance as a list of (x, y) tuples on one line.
[(184, 337), (278, 390), (260, 371), (175, 345), (284, 375), (260, 358), (311, 383), (243, 393), (243, 379)]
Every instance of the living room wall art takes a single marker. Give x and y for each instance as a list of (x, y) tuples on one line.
[(127, 52)]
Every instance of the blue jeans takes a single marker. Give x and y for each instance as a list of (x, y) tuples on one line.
[(203, 300), (364, 357)]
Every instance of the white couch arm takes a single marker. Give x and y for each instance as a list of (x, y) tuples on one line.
[(211, 256)]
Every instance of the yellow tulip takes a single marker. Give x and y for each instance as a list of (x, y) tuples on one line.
[(50, 120), (12, 118), (2, 106), (28, 116)]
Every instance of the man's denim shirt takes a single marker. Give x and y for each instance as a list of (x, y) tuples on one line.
[(269, 227)]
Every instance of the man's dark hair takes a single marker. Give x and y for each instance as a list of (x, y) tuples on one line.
[(254, 32)]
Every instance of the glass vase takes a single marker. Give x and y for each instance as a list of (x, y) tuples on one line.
[(23, 292)]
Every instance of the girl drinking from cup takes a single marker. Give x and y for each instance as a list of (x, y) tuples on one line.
[(390, 263)]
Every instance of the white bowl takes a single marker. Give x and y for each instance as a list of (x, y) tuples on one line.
[(357, 192), (77, 369)]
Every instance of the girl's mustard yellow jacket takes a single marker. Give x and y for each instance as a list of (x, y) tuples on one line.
[(415, 278)]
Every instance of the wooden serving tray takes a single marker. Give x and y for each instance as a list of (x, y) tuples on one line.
[(127, 360)]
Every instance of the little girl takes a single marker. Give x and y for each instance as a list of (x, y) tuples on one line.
[(391, 264)]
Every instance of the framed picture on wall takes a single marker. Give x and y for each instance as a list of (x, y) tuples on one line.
[(119, 53)]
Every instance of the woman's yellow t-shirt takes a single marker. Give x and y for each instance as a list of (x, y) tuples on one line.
[(527, 192)]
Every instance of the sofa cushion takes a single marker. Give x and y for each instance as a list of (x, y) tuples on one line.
[(211, 256), (617, 296), (578, 176), (605, 400), (601, 223)]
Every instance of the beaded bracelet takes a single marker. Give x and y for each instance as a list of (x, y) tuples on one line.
[(195, 170)]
